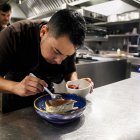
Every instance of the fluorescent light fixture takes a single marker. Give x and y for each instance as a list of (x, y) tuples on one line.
[(137, 1), (36, 10), (78, 2), (111, 7), (19, 1)]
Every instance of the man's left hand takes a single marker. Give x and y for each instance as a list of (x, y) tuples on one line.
[(92, 84)]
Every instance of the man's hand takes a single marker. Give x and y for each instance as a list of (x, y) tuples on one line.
[(92, 84), (29, 86)]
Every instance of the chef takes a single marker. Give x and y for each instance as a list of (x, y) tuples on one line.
[(45, 49)]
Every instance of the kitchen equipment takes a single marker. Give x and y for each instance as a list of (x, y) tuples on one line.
[(92, 17), (53, 96), (134, 31), (40, 108), (95, 33)]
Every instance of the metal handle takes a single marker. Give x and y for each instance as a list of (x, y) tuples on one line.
[(45, 88)]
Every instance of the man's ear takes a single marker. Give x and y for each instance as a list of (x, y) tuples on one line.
[(43, 30)]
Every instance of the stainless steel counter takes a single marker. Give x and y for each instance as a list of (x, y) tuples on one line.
[(134, 60), (112, 113), (104, 72)]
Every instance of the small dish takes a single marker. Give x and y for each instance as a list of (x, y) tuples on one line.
[(40, 108), (82, 87)]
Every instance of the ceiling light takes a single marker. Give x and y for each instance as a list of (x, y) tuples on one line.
[(138, 1), (19, 1)]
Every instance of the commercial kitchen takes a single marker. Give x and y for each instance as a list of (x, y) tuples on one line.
[(110, 56)]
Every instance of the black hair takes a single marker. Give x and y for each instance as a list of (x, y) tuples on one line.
[(68, 22), (5, 7)]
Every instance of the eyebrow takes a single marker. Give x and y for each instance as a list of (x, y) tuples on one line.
[(60, 52)]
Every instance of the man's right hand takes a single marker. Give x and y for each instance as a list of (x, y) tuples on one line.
[(29, 86)]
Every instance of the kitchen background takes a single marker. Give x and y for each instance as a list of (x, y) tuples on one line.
[(117, 20), (113, 28)]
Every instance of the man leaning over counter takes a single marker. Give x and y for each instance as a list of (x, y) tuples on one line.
[(45, 49)]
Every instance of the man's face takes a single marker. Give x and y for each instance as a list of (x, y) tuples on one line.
[(55, 50), (4, 17)]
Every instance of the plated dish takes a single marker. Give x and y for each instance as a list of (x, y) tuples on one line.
[(58, 118)]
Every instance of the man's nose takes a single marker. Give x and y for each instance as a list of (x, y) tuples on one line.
[(7, 18), (60, 59)]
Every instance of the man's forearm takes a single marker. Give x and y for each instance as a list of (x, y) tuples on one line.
[(28, 86), (72, 76), (6, 85)]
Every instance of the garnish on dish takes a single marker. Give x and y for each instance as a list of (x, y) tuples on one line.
[(60, 105), (73, 86)]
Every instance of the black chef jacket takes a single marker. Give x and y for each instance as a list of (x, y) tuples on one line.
[(20, 55)]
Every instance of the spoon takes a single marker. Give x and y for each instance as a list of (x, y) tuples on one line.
[(53, 96)]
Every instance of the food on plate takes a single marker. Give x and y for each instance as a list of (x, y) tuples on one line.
[(73, 86), (60, 105)]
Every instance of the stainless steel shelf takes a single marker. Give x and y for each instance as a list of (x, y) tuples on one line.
[(95, 38), (123, 35), (133, 46), (117, 22)]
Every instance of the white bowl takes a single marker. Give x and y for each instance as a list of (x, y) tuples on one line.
[(84, 87)]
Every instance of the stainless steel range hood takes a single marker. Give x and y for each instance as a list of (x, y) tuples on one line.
[(34, 9)]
